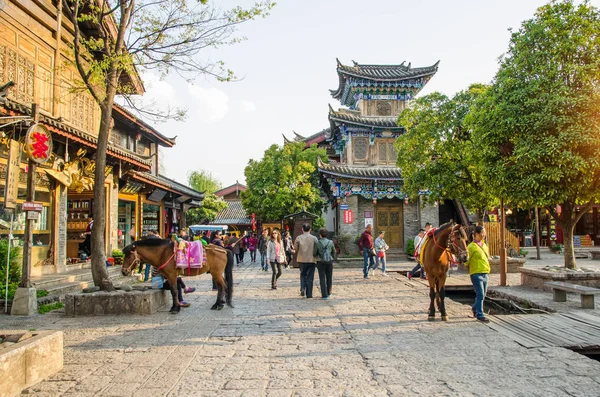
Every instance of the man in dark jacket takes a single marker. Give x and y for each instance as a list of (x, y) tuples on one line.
[(365, 244)]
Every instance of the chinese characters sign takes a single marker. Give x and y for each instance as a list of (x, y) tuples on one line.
[(348, 216), (38, 143), (12, 175)]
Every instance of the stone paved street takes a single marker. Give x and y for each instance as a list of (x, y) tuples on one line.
[(371, 339)]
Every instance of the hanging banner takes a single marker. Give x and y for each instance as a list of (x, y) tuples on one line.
[(38, 143), (12, 175), (348, 216)]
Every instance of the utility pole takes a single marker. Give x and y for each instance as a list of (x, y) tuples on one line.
[(537, 233)]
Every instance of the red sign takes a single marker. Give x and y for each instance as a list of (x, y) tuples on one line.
[(348, 216), (38, 143), (253, 221), (30, 206)]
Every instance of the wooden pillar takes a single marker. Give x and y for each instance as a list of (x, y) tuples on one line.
[(181, 217), (537, 233), (503, 265)]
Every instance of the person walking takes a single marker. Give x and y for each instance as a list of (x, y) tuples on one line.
[(366, 245), (479, 268), (305, 246), (236, 248), (243, 247), (289, 249), (252, 243), (380, 248), (418, 241), (276, 255), (263, 241), (326, 255)]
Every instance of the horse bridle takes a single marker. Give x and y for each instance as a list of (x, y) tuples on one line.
[(450, 243), (135, 262)]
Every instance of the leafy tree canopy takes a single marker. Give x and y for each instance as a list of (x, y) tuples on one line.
[(436, 152), (283, 182), (204, 181), (537, 130)]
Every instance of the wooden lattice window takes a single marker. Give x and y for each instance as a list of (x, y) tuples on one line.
[(387, 154), (382, 219), (361, 145), (20, 70)]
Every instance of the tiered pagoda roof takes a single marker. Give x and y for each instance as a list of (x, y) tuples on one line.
[(380, 80), (350, 117), (360, 172)]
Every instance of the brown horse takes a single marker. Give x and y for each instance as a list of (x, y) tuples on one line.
[(161, 254), (445, 242)]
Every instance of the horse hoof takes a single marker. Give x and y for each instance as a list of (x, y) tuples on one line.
[(174, 310), (444, 318), (230, 305), (220, 307), (431, 318), (213, 307)]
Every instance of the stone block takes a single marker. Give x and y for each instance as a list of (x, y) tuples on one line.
[(513, 264), (24, 364), (24, 303), (117, 302)]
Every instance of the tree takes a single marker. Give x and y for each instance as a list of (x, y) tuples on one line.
[(436, 152), (203, 181), (537, 129), (284, 182), (166, 36)]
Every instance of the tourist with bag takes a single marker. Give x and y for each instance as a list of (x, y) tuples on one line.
[(367, 247), (325, 256), (276, 255), (380, 248)]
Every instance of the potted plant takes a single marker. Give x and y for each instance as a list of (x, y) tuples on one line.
[(118, 256), (557, 248)]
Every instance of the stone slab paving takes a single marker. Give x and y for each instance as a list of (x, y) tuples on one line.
[(372, 338)]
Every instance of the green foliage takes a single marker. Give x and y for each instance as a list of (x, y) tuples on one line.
[(523, 252), (283, 182), (536, 131), (410, 248), (43, 309), (558, 248), (318, 223), (40, 293), (117, 253), (204, 181), (211, 205), (436, 152), (14, 273)]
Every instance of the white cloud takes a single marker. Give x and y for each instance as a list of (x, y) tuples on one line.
[(210, 104), (248, 106), (158, 91)]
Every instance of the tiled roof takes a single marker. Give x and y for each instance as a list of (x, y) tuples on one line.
[(360, 172), (230, 189), (309, 140), (353, 117), (163, 140), (386, 72), (167, 184), (234, 214), (63, 129)]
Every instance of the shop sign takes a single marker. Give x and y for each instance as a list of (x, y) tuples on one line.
[(343, 206), (33, 215), (38, 143), (31, 206), (253, 221), (348, 216), (12, 175)]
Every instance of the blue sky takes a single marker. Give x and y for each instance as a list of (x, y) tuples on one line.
[(288, 65)]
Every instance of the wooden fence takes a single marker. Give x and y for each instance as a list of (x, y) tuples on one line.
[(493, 238)]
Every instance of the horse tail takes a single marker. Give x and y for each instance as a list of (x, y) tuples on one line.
[(229, 278)]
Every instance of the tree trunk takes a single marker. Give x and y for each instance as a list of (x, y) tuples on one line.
[(566, 221), (99, 272)]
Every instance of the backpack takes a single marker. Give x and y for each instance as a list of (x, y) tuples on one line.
[(324, 252)]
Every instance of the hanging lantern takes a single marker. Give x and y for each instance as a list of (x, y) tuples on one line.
[(406, 200), (374, 200)]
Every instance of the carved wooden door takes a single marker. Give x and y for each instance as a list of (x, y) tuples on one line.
[(389, 218)]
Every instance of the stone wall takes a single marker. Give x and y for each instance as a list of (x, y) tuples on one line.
[(347, 231), (411, 222)]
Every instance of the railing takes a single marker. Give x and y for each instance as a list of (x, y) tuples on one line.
[(494, 242)]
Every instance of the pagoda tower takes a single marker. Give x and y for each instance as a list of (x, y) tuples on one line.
[(363, 180)]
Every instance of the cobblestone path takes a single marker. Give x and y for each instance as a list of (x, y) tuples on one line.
[(372, 338)]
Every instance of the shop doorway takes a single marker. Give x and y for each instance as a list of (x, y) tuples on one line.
[(126, 223)]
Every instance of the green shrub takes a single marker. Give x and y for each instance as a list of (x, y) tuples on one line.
[(43, 309), (40, 293), (523, 252), (557, 248), (410, 247), (14, 274), (117, 253)]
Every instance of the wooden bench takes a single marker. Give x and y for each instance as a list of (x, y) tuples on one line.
[(560, 289), (595, 254)]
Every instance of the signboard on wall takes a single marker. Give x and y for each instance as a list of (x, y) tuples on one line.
[(368, 221), (12, 175), (348, 218), (38, 143)]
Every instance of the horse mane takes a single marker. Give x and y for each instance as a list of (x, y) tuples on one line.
[(149, 242), (443, 227)]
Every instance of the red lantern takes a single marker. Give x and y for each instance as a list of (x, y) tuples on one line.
[(405, 200)]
